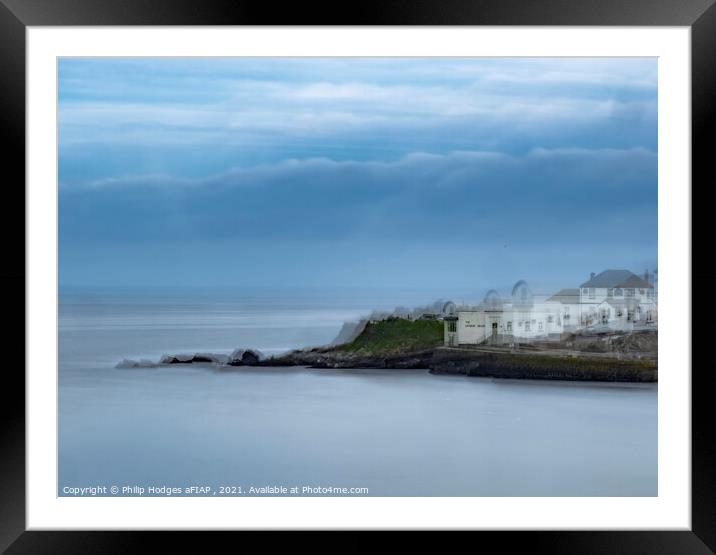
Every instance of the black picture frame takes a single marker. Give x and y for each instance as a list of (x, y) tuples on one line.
[(17, 15)]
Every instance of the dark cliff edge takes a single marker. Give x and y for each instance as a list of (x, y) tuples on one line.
[(483, 363)]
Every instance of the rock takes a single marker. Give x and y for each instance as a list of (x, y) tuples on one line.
[(129, 363), (206, 358), (177, 359), (249, 358), (245, 357), (210, 358)]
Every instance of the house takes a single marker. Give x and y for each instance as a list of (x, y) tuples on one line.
[(617, 298), (568, 300), (611, 300), (521, 316)]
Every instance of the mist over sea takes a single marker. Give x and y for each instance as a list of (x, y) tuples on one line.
[(397, 433)]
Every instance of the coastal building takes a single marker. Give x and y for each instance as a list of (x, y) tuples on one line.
[(498, 320), (616, 300), (570, 307)]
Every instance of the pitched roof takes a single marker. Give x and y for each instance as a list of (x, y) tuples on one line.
[(617, 278), (566, 296)]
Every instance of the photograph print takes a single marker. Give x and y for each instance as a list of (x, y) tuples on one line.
[(357, 277)]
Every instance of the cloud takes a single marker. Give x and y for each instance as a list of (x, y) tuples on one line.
[(337, 109), (408, 165), (421, 197), (328, 100)]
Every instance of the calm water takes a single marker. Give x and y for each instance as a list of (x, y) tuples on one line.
[(395, 433)]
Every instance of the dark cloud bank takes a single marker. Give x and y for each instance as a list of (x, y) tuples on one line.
[(544, 197)]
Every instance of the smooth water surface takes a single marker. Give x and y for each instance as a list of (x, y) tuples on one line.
[(398, 432)]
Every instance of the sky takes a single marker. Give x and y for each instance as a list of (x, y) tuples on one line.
[(453, 173)]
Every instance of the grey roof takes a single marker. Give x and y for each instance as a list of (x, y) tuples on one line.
[(566, 296), (617, 278)]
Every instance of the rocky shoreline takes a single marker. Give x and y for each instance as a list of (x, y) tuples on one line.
[(396, 344), (477, 362), (494, 363)]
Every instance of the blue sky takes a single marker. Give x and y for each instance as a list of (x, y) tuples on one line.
[(452, 172)]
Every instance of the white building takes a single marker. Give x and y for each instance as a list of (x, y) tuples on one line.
[(614, 299), (521, 316), (570, 307), (618, 299)]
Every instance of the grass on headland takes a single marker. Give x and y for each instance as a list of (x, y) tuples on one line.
[(397, 335)]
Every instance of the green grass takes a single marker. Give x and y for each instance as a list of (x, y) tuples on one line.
[(397, 336)]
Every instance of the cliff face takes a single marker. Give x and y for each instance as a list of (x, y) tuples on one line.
[(473, 362), (543, 366), (325, 358)]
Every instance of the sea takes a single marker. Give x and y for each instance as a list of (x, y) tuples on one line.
[(205, 430)]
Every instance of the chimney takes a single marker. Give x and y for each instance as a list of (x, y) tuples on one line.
[(591, 275)]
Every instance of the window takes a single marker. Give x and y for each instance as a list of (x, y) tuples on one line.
[(509, 326), (550, 319), (610, 292), (527, 325), (585, 291), (540, 326), (629, 292), (592, 290), (617, 292), (452, 326), (641, 291)]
